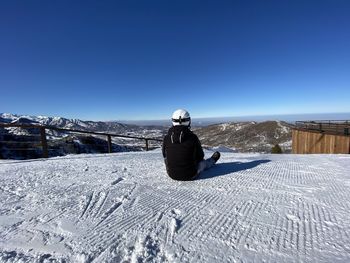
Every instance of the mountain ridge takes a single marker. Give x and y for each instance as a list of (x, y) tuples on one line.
[(62, 122), (247, 136)]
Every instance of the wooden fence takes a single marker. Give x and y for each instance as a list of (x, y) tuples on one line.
[(44, 143), (321, 137)]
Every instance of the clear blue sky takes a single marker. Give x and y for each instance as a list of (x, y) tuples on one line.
[(113, 60)]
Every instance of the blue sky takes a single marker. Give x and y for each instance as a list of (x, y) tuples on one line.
[(115, 60)]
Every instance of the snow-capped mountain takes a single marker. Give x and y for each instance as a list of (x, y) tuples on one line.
[(24, 143), (76, 124), (247, 136), (66, 123)]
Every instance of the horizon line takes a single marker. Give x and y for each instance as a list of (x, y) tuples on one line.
[(237, 116), (193, 118)]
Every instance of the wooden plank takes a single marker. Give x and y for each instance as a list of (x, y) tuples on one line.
[(146, 145), (328, 142), (308, 142), (109, 142), (331, 145), (346, 144), (323, 145), (318, 142), (294, 141), (44, 142)]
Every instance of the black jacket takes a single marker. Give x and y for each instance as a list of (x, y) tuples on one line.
[(182, 151)]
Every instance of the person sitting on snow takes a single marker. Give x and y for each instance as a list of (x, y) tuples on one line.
[(182, 150)]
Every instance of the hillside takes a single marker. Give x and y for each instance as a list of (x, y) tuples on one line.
[(247, 136), (123, 208)]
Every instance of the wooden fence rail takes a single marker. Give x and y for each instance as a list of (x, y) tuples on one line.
[(44, 143), (338, 127)]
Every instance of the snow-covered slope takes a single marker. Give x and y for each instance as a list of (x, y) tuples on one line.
[(123, 208)]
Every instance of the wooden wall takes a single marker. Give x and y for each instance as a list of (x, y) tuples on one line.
[(316, 142)]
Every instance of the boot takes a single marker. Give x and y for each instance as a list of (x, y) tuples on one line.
[(215, 156)]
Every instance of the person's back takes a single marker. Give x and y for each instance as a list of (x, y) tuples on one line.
[(182, 151)]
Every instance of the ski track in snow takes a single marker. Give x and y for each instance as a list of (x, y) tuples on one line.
[(122, 207)]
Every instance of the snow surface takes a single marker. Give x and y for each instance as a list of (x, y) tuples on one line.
[(123, 208)]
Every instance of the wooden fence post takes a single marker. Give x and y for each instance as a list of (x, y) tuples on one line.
[(146, 144), (44, 142), (109, 140)]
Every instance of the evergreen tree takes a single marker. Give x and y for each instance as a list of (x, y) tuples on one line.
[(276, 149)]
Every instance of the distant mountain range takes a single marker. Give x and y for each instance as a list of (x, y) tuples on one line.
[(231, 136), (20, 143), (96, 126)]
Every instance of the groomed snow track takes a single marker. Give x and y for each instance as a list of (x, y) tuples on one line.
[(123, 208)]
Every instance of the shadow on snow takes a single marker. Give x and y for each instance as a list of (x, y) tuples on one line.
[(228, 168)]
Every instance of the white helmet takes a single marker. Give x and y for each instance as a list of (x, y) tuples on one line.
[(181, 117)]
